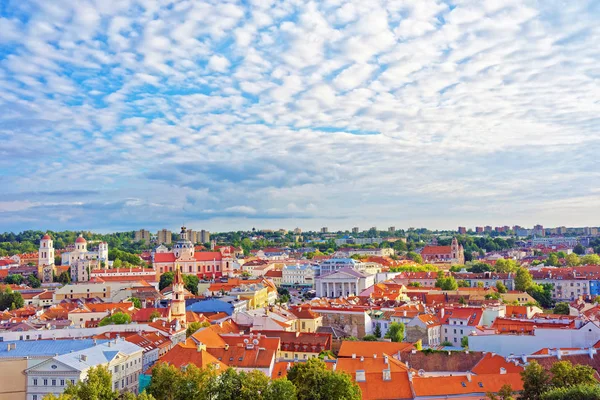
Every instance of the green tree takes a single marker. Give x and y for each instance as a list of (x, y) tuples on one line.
[(117, 264), (313, 381), (395, 332), (137, 303), (165, 382), (10, 299), (579, 249), (535, 381), (166, 280), (572, 260), (504, 265), (64, 278), (96, 386), (280, 389), (117, 318), (577, 392), (523, 280), (553, 260), (154, 315), (191, 283), (505, 393), (565, 374), (463, 283), (14, 279), (562, 308), (590, 259), (194, 326), (369, 338), (446, 283), (542, 294), (501, 287), (464, 342), (377, 331)]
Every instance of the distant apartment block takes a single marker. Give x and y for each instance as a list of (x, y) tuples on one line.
[(164, 236), (142, 236), (487, 228), (355, 229), (192, 236), (324, 229), (479, 229), (392, 229), (204, 236), (462, 230)]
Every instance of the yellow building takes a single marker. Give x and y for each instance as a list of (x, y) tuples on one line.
[(308, 320)]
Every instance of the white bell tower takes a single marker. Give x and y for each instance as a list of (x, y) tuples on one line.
[(46, 251)]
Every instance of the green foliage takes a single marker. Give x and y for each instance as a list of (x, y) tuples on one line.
[(523, 280), (194, 326), (579, 249), (191, 283), (463, 283), (313, 381), (504, 265), (411, 255), (377, 331), (97, 386), (446, 283), (64, 278), (505, 393), (552, 260), (351, 339), (562, 308), (14, 279), (480, 267), (137, 303), (395, 332), (154, 315), (33, 281), (169, 383), (10, 299), (590, 259), (124, 257), (542, 294), (166, 280), (536, 381), (415, 284), (501, 287), (576, 392), (565, 374), (464, 342), (572, 260), (446, 343), (370, 338), (117, 318)]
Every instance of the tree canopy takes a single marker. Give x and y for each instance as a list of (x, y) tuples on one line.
[(117, 318), (313, 381)]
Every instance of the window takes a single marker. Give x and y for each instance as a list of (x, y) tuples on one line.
[(45, 382), (53, 382), (35, 380), (35, 397), (62, 382)]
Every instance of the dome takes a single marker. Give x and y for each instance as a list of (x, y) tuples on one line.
[(80, 239), (46, 237)]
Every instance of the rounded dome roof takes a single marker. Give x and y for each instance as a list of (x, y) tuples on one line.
[(46, 236), (80, 239)]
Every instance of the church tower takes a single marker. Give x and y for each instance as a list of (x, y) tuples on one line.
[(178, 298), (46, 259), (183, 249)]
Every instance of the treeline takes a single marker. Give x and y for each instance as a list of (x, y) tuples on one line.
[(29, 241)]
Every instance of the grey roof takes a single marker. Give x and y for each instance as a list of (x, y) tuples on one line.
[(43, 348), (99, 354)]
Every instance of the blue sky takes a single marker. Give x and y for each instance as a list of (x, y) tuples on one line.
[(126, 114)]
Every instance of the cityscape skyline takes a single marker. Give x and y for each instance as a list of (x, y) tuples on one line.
[(232, 115)]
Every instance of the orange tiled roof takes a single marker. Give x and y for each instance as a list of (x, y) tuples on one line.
[(491, 364), (180, 356), (460, 385), (368, 349)]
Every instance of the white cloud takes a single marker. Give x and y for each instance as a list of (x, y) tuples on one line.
[(326, 111), (218, 63)]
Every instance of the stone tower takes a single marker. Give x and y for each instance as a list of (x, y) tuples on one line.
[(46, 259), (178, 298)]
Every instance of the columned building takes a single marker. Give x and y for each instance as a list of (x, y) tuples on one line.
[(342, 283)]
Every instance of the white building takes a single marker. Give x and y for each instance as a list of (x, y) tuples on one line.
[(335, 264), (298, 275), (342, 283), (123, 360), (81, 252)]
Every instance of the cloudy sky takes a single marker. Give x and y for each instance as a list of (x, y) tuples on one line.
[(126, 114)]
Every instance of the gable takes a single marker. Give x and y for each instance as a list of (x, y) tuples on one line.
[(50, 365)]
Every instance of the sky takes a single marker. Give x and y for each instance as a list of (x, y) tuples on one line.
[(225, 115)]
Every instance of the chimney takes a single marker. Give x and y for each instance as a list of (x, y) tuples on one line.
[(385, 359), (83, 357), (354, 355), (591, 352), (442, 312), (469, 376), (502, 371), (362, 358), (374, 355)]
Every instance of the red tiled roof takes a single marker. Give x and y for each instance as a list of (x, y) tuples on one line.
[(208, 256), (164, 257), (80, 239), (368, 349), (432, 250)]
